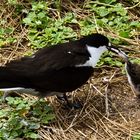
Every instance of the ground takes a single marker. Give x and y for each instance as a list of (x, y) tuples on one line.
[(111, 110)]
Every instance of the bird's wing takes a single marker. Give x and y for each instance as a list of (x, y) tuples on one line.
[(55, 57), (61, 57), (22, 64)]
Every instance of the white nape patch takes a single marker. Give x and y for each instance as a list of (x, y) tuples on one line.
[(95, 55)]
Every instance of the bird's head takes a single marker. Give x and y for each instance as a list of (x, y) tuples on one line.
[(99, 42), (96, 45)]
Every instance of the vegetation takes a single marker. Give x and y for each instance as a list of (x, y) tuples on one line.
[(28, 25), (21, 118)]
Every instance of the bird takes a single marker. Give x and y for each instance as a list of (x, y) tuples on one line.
[(56, 69), (132, 71)]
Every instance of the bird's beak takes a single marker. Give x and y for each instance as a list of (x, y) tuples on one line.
[(113, 49), (118, 51)]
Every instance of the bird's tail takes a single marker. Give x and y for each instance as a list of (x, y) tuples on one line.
[(10, 78)]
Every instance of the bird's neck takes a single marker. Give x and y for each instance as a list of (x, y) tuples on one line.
[(95, 54)]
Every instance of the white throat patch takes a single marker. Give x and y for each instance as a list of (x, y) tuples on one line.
[(95, 55)]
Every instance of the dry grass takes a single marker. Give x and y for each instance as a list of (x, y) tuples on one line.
[(110, 110)]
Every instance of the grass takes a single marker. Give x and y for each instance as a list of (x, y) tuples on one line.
[(110, 110)]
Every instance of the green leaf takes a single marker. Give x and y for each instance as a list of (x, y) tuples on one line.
[(136, 136), (135, 24), (103, 11), (32, 135), (47, 118), (12, 2), (11, 100), (120, 9), (34, 125), (27, 21), (124, 34), (4, 113), (118, 63), (108, 59), (136, 60), (38, 6), (41, 15), (4, 134), (107, 1), (13, 134), (9, 30), (38, 22)]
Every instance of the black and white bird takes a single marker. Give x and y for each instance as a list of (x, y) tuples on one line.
[(56, 69), (132, 71)]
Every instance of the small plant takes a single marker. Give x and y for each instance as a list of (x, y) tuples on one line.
[(5, 35), (22, 118), (108, 59), (136, 60), (113, 16), (44, 30), (136, 136), (12, 2)]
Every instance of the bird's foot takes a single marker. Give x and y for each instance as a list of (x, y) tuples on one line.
[(75, 105), (67, 103), (63, 98)]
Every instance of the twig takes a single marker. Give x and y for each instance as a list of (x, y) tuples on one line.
[(106, 95), (97, 28), (127, 8), (106, 101), (72, 123), (98, 90)]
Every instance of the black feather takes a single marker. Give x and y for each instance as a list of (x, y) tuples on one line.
[(52, 69)]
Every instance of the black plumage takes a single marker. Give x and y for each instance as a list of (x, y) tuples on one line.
[(133, 74), (58, 68)]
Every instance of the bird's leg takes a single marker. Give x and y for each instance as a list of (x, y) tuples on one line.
[(64, 98), (67, 101)]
